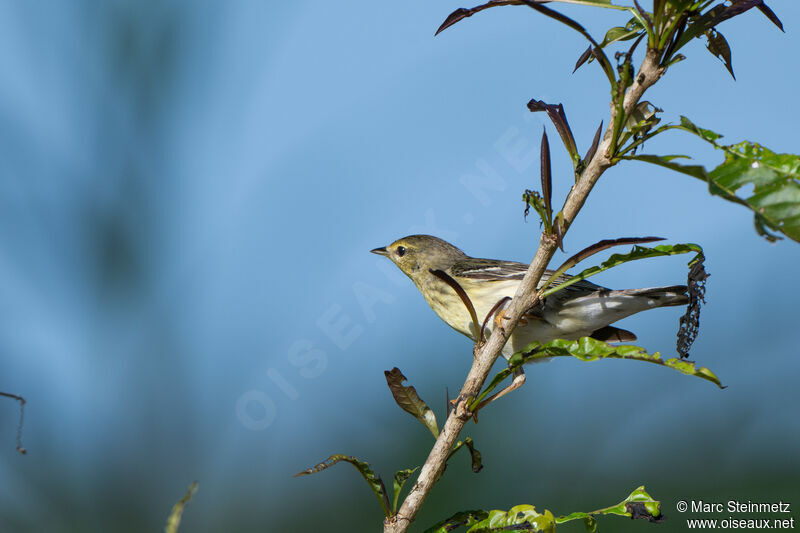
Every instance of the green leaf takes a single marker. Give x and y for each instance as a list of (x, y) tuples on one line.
[(677, 58), (667, 161), (707, 135), (658, 11), (775, 198), (400, 478), (475, 455), (646, 21), (590, 251), (636, 253), (408, 400), (620, 33), (463, 518), (374, 481), (633, 28), (174, 519), (639, 504), (589, 349), (519, 515), (617, 33), (775, 180)]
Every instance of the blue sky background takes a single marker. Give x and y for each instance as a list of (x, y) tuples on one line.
[(188, 195)]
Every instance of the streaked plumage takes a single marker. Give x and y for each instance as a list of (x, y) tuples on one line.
[(582, 309)]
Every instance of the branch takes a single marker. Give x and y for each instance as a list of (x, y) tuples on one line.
[(20, 448), (525, 297)]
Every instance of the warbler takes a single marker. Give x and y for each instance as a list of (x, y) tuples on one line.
[(582, 309)]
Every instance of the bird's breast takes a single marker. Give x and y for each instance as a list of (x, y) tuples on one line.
[(444, 300)]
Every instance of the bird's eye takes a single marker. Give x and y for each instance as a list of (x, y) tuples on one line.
[(401, 251)]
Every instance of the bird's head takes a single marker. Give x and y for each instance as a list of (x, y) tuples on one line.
[(416, 255)]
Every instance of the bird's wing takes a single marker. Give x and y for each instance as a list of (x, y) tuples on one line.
[(496, 270)]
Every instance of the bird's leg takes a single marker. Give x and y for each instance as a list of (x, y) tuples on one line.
[(517, 382), (499, 314)]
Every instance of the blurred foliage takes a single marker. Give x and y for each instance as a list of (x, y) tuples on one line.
[(174, 519)]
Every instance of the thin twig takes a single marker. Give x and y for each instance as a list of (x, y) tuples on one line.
[(20, 448)]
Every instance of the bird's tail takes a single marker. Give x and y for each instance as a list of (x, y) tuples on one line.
[(604, 307), (658, 296), (649, 298)]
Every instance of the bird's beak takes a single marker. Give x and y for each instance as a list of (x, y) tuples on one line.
[(380, 251)]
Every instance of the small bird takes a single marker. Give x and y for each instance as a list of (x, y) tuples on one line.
[(583, 309)]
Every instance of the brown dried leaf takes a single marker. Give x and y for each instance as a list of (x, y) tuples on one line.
[(409, 401)]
